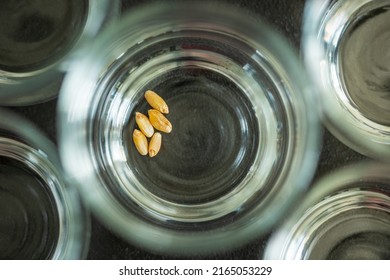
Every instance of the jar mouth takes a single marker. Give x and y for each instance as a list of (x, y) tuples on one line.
[(349, 72), (234, 136), (43, 215), (39, 43), (356, 215), (39, 36), (341, 215), (38, 186), (207, 164)]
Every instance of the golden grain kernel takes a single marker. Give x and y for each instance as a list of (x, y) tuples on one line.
[(144, 124), (155, 144), (140, 142), (159, 121), (156, 101)]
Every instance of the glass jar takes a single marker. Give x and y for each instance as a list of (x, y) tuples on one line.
[(346, 49), (244, 140), (38, 41), (346, 215), (41, 215)]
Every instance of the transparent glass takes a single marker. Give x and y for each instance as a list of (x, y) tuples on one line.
[(41, 215), (244, 142), (38, 41), (346, 215), (345, 48)]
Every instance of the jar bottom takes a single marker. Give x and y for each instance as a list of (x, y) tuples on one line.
[(365, 245), (213, 142)]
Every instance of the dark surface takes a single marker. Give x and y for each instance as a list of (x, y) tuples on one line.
[(285, 16)]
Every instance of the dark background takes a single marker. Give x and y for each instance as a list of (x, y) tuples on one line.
[(286, 17)]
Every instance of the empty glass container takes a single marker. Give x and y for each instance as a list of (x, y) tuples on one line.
[(41, 215), (38, 40), (345, 46)]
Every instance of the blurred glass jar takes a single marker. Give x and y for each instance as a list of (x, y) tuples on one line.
[(346, 49), (38, 40), (244, 142), (346, 215), (41, 217)]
